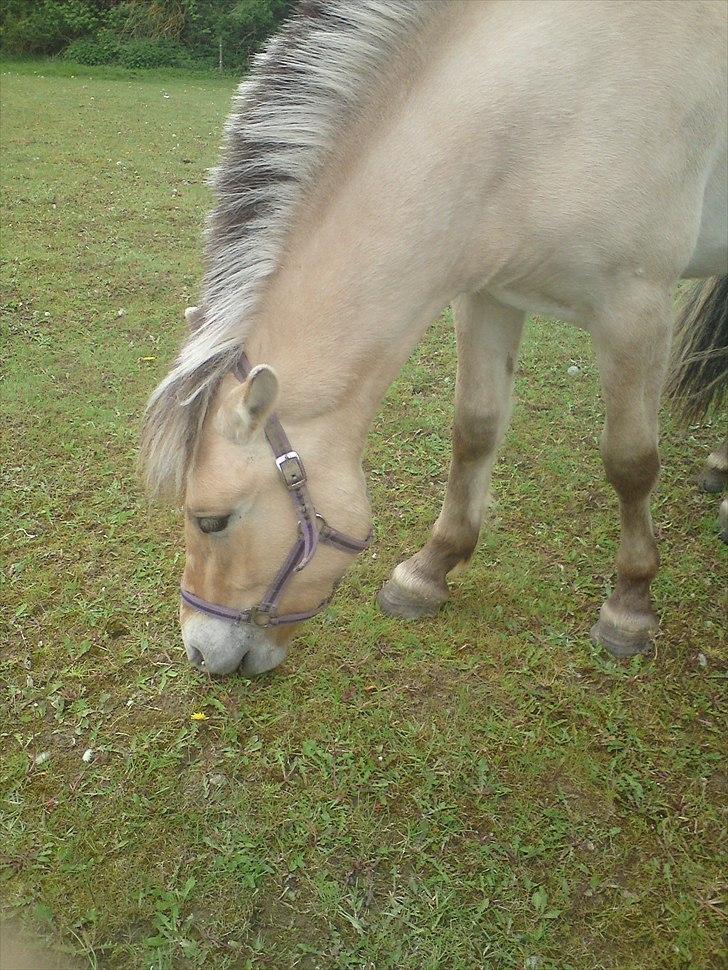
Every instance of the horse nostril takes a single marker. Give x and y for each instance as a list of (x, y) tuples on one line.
[(215, 662)]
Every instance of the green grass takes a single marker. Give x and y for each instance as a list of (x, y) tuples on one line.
[(59, 67), (484, 789)]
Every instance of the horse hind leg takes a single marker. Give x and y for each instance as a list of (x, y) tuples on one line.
[(488, 338), (714, 477), (632, 348)]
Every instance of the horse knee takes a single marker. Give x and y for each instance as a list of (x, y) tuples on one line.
[(632, 475), (476, 434)]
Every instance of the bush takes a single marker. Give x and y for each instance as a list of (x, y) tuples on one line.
[(152, 53), (137, 53), (44, 26), (92, 51)]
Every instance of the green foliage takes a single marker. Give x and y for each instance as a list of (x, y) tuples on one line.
[(149, 18), (142, 52), (142, 33), (92, 51), (139, 52), (235, 30), (32, 27)]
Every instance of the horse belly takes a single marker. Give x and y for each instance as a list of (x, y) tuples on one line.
[(710, 256)]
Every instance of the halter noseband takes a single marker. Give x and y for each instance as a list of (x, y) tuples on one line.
[(313, 529)]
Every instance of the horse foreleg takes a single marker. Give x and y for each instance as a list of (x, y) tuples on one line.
[(632, 352), (488, 338)]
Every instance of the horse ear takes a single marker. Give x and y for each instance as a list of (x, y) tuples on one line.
[(248, 406), (193, 316)]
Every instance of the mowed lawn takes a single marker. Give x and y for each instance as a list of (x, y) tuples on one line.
[(485, 789)]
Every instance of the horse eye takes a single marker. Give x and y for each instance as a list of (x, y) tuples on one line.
[(212, 523)]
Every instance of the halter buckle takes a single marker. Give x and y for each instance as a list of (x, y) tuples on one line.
[(260, 617), (291, 468)]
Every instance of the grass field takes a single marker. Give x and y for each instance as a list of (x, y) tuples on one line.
[(481, 790)]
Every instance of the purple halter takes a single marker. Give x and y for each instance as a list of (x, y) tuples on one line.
[(313, 529)]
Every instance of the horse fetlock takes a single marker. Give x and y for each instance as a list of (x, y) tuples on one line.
[(411, 595), (637, 566)]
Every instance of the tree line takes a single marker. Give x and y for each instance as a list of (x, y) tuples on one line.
[(141, 33)]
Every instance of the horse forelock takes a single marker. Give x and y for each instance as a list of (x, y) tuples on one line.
[(284, 121)]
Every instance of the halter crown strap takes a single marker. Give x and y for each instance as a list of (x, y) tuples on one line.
[(289, 464), (313, 529)]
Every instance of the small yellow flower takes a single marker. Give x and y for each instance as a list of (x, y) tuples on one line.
[(199, 716)]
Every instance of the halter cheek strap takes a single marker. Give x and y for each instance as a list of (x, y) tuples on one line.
[(313, 529)]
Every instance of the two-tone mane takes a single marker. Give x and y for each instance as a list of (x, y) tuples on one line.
[(285, 120)]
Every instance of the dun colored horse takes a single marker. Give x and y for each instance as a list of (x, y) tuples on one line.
[(384, 159)]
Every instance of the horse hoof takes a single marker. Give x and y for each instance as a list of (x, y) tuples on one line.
[(622, 642), (713, 480), (395, 600)]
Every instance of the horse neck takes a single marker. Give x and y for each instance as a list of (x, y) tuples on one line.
[(370, 263), (338, 332)]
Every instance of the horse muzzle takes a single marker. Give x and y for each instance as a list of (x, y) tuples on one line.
[(220, 647)]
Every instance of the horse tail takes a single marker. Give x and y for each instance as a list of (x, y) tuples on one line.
[(699, 373)]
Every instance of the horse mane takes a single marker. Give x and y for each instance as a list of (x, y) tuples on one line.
[(285, 119)]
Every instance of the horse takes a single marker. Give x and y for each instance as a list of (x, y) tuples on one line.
[(385, 159)]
